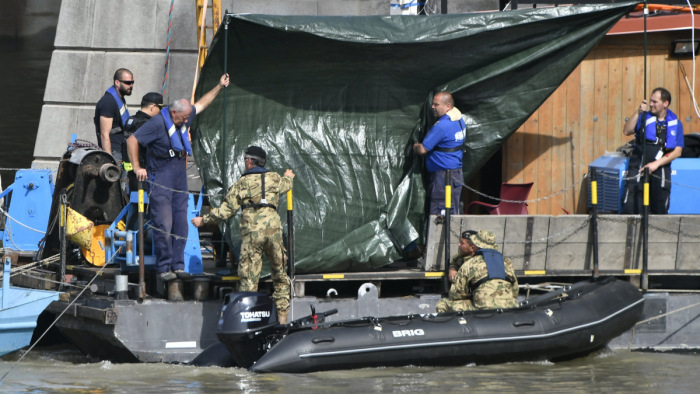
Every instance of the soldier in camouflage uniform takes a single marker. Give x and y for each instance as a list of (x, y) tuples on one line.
[(473, 285), (257, 194)]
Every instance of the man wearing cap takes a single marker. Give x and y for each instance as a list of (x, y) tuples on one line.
[(257, 193), (111, 114), (166, 136), (151, 104), (481, 277)]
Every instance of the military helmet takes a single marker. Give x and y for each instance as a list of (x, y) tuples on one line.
[(256, 153)]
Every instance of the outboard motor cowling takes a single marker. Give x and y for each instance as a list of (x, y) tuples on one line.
[(244, 323)]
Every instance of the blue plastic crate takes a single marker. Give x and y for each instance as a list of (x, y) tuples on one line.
[(685, 190), (610, 173)]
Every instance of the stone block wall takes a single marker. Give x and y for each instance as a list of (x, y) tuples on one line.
[(96, 37)]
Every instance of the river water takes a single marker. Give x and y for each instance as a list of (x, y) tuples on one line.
[(63, 368)]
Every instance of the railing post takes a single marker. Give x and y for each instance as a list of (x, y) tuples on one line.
[(645, 232), (290, 250), (594, 220), (63, 212), (142, 270), (290, 235), (448, 209)]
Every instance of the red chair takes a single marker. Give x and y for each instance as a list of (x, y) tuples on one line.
[(509, 191)]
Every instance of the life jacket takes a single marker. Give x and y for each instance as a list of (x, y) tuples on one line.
[(123, 110), (495, 264), (669, 139), (179, 138), (133, 124), (464, 140), (263, 202)]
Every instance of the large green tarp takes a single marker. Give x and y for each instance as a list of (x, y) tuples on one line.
[(341, 100)]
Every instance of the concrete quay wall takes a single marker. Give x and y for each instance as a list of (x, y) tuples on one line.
[(563, 245), (96, 37)]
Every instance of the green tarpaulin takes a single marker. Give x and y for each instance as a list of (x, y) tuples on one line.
[(341, 100)]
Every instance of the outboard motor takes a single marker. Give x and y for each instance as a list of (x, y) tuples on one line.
[(245, 323)]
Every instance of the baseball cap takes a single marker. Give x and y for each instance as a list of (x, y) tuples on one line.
[(152, 98)]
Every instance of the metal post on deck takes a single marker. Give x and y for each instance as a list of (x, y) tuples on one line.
[(63, 212), (645, 232), (290, 251), (142, 270), (290, 236), (448, 209), (594, 220)]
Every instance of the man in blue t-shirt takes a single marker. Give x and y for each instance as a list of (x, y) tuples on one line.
[(166, 136), (443, 147), (658, 141), (111, 114)]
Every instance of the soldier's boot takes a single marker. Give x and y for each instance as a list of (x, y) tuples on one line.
[(282, 316)]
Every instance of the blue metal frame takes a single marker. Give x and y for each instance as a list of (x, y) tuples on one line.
[(128, 239), (30, 205)]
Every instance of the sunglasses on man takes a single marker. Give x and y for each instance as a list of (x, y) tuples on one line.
[(126, 82)]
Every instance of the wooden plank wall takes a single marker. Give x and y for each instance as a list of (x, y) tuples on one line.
[(584, 118)]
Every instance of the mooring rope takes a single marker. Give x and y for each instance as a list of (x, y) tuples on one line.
[(18, 270), (167, 46), (20, 223), (98, 273)]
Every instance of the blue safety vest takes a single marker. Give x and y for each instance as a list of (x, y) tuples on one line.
[(495, 264), (123, 110), (179, 138), (671, 130)]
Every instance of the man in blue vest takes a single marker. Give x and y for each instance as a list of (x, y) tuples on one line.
[(481, 277), (111, 114), (658, 141), (443, 147), (166, 136)]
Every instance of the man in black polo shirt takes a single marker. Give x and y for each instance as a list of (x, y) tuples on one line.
[(111, 114), (151, 104)]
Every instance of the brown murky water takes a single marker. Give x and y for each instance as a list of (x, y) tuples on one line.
[(64, 369)]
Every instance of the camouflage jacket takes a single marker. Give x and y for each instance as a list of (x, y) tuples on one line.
[(471, 270), (457, 261), (248, 190)]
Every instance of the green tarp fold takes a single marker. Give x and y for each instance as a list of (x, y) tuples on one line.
[(341, 100)]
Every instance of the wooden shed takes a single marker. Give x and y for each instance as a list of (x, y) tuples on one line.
[(584, 117)]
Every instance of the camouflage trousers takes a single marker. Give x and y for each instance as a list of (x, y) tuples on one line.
[(250, 264), (448, 305), (494, 294)]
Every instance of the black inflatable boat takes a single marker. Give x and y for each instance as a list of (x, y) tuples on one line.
[(566, 323)]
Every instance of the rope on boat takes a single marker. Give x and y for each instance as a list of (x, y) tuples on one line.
[(18, 270), (20, 223), (167, 46), (668, 313), (50, 280), (98, 273), (171, 234)]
